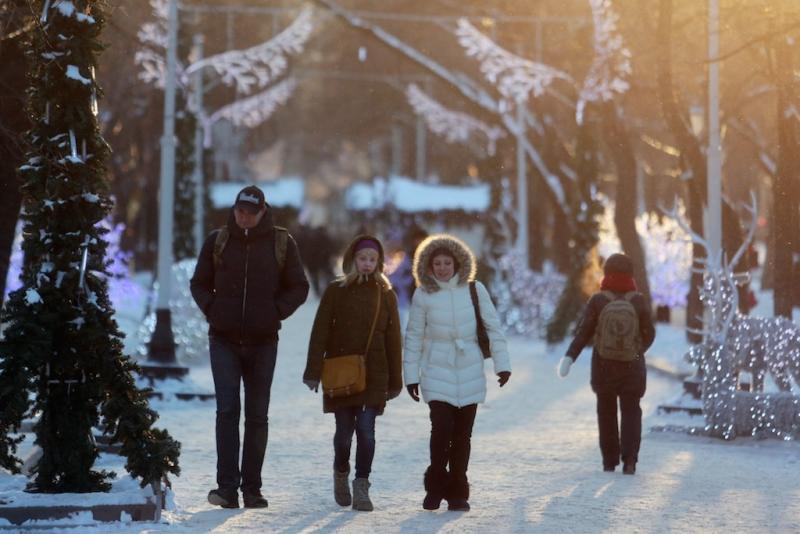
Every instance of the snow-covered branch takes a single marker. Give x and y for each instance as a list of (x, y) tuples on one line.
[(253, 110), (611, 66), (454, 126), (258, 65), (515, 77)]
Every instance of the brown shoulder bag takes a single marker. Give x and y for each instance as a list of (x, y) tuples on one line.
[(346, 375)]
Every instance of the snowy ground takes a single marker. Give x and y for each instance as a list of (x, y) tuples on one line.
[(535, 462)]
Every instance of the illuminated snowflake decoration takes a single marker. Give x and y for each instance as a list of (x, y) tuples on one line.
[(251, 111), (261, 64), (454, 126), (611, 66), (516, 78)]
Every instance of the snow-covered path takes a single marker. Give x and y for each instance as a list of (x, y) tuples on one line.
[(535, 464)]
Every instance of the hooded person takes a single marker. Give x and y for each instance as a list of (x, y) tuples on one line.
[(357, 311), (444, 362), (248, 279), (618, 323)]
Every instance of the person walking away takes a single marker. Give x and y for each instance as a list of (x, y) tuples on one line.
[(357, 312), (619, 324), (444, 361), (247, 280)]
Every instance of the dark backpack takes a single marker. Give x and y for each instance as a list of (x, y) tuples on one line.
[(281, 242), (483, 335), (617, 334)]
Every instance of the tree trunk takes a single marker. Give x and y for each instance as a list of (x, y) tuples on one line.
[(693, 159), (784, 205), (619, 144)]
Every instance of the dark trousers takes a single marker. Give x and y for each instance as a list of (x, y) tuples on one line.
[(618, 441), (451, 436), (360, 420), (253, 366)]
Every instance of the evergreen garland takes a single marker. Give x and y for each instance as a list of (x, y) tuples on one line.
[(585, 207), (185, 124), (61, 343)]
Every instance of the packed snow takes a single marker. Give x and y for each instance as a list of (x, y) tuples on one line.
[(535, 463)]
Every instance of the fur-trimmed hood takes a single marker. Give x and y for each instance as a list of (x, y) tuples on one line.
[(349, 258), (463, 255)]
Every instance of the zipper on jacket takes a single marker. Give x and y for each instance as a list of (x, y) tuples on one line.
[(244, 295), (455, 347)]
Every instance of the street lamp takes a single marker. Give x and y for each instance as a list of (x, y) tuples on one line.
[(161, 362)]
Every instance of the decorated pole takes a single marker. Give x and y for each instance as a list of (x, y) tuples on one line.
[(199, 178), (162, 344)]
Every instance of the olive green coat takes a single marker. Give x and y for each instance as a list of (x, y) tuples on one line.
[(342, 325)]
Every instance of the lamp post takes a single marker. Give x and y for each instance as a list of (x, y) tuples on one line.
[(714, 157), (161, 361), (199, 179)]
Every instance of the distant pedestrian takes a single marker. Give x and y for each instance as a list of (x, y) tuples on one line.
[(357, 315), (444, 359), (618, 323), (247, 280)]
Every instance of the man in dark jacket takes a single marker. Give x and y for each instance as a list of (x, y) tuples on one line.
[(615, 378), (245, 290)]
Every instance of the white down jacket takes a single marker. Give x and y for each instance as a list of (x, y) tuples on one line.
[(441, 345)]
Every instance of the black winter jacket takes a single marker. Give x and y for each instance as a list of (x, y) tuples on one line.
[(610, 375), (246, 298)]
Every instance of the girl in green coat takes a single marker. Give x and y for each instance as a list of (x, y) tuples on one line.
[(342, 326)]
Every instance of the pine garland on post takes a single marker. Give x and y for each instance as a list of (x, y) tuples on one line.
[(185, 123), (584, 233), (61, 342)]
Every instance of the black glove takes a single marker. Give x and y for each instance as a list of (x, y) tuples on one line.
[(413, 390), (502, 377)]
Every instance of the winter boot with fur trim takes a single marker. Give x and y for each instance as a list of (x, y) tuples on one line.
[(435, 484), (457, 494), (341, 487), (361, 500)]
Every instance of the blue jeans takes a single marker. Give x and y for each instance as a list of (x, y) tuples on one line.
[(360, 420), (232, 365)]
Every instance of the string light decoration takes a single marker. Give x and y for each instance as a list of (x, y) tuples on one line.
[(607, 76), (515, 77), (525, 299), (667, 248), (250, 111), (189, 326), (733, 343), (261, 64), (246, 69), (454, 126)]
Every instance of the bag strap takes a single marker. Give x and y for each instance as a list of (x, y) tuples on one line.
[(219, 245), (281, 244), (473, 294), (374, 321)]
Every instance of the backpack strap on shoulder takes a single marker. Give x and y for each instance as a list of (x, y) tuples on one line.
[(629, 295), (281, 244), (219, 245), (610, 295)]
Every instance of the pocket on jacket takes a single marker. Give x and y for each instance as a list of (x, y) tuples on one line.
[(222, 314)]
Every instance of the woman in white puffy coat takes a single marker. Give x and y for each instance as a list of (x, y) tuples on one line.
[(443, 359)]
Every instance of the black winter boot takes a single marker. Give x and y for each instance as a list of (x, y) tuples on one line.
[(435, 485), (457, 493)]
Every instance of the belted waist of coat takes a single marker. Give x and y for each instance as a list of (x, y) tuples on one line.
[(451, 337)]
